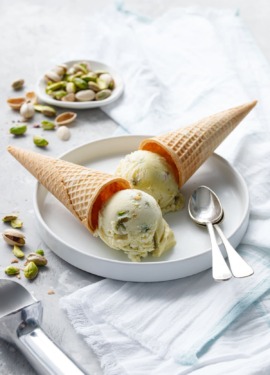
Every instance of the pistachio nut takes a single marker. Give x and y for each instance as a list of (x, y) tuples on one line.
[(18, 252), (69, 97), (16, 103), (9, 218), (59, 94), (40, 141), (103, 94), (60, 70), (18, 129), (27, 110), (85, 95), (52, 76), (12, 270), (30, 271), (65, 118), (63, 133), (70, 70), (70, 87), (47, 125), (31, 96), (14, 237), (93, 86), (80, 83), (100, 71), (38, 259), (45, 110), (91, 76), (71, 77), (18, 84), (80, 68), (102, 84), (16, 223), (56, 86), (40, 251), (107, 78)]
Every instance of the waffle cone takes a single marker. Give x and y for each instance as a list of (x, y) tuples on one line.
[(186, 149), (81, 190)]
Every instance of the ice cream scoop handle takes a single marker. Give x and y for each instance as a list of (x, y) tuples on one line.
[(220, 270), (238, 265), (45, 356)]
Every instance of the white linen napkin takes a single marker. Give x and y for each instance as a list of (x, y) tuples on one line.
[(187, 64)]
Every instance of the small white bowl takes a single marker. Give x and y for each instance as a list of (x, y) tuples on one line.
[(95, 65)]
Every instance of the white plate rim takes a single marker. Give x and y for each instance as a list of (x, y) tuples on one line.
[(243, 223), (117, 92)]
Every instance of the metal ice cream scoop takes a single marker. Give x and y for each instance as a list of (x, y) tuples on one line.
[(20, 318), (205, 209)]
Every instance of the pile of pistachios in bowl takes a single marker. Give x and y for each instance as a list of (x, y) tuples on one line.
[(78, 83)]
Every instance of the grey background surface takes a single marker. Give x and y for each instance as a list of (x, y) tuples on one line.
[(33, 33)]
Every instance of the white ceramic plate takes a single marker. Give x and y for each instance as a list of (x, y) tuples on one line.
[(72, 242), (95, 65)]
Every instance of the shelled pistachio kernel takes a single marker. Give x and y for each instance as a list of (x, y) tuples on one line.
[(18, 129), (12, 270), (14, 237), (30, 271), (47, 125), (103, 94), (40, 141), (40, 252), (16, 223), (18, 252)]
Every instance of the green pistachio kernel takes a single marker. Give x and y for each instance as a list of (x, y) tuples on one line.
[(47, 125), (56, 86), (45, 110), (40, 141), (80, 83), (40, 252), (16, 223), (30, 271), (18, 252), (18, 129), (12, 270)]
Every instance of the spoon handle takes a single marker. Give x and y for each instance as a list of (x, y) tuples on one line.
[(220, 270), (238, 265)]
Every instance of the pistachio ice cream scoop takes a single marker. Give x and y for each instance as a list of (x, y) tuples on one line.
[(150, 172), (131, 221)]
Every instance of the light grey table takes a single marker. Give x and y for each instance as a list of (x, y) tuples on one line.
[(34, 32)]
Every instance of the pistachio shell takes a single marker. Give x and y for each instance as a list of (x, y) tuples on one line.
[(65, 118), (31, 96), (16, 103), (80, 68), (45, 110), (70, 87), (52, 76), (107, 78), (69, 97), (85, 95)]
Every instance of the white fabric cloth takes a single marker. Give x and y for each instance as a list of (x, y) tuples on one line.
[(187, 64)]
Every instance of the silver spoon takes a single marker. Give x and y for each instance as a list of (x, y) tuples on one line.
[(204, 209), (20, 317), (215, 214)]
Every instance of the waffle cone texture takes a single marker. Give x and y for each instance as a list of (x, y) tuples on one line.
[(186, 149), (82, 190)]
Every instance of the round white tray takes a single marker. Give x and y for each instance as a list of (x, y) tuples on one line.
[(192, 254)]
